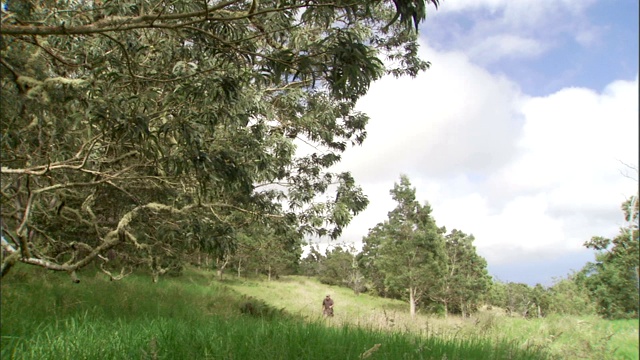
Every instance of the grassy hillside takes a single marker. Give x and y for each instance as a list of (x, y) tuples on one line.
[(563, 337), (45, 316)]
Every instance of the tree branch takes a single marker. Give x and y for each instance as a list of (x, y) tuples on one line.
[(113, 23), (118, 24), (43, 169)]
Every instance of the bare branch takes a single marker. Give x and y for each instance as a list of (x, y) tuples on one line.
[(65, 164), (630, 168), (22, 238)]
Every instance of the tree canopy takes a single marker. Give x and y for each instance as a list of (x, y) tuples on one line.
[(143, 131)]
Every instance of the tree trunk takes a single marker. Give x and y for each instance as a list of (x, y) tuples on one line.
[(412, 302), (220, 265), (269, 272)]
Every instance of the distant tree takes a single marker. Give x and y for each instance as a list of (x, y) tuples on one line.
[(355, 279), (339, 267), (264, 250), (515, 298), (496, 294), (566, 296), (408, 249), (367, 261), (465, 279), (540, 301), (310, 264), (613, 279), (335, 266)]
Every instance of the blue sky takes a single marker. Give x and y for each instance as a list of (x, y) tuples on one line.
[(518, 132), (611, 54)]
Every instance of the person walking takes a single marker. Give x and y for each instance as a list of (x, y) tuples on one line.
[(327, 306)]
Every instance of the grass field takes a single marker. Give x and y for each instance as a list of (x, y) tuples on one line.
[(45, 316), (563, 337)]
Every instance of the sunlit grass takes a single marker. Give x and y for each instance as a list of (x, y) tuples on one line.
[(564, 337), (45, 316)]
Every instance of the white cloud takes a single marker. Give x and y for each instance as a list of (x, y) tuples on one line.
[(530, 177), (520, 10), (499, 29), (497, 47), (430, 116)]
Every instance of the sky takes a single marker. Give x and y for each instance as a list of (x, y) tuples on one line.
[(523, 133)]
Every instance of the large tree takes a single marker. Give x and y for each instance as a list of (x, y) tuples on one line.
[(407, 249), (126, 126)]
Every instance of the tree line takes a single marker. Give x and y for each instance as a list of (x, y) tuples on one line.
[(409, 257)]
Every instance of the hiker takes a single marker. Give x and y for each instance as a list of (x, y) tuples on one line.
[(327, 306)]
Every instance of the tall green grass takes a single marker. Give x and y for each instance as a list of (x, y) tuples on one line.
[(45, 316), (86, 337)]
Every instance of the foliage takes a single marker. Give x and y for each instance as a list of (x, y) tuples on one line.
[(566, 296), (465, 279), (310, 264), (143, 133), (515, 298), (339, 267), (613, 280), (335, 266), (261, 249), (258, 308), (408, 249)]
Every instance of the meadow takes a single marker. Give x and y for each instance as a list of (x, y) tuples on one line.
[(195, 316), (560, 337)]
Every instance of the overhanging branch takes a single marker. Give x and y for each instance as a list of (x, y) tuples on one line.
[(125, 23), (113, 23)]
